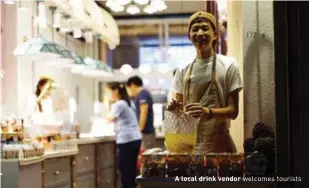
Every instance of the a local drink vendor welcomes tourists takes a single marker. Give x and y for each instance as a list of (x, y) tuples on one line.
[(213, 92)]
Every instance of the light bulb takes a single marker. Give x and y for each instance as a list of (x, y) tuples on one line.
[(126, 69), (159, 5), (77, 33), (149, 9), (117, 8), (141, 2), (57, 20), (111, 46), (123, 2), (133, 9)]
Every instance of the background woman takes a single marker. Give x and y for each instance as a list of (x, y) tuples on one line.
[(128, 135), (43, 101)]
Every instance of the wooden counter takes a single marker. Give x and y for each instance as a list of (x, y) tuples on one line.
[(93, 165)]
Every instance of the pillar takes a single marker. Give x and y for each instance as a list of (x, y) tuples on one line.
[(235, 40), (9, 61), (1, 90)]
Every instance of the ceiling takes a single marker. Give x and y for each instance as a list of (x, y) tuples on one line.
[(173, 8)]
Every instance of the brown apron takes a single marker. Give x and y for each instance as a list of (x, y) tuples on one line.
[(213, 134)]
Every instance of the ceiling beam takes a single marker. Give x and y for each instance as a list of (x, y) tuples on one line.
[(153, 16), (151, 21), (152, 30)]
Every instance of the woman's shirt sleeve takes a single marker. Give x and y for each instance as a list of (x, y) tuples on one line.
[(234, 81), (116, 109)]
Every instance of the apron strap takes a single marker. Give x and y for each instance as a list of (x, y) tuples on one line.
[(188, 80), (214, 84), (187, 84)]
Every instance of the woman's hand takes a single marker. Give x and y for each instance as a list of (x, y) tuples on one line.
[(174, 105), (197, 110)]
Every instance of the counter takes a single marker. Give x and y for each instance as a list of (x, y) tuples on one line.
[(92, 165)]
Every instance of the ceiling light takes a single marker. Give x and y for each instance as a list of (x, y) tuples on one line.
[(141, 2), (123, 2), (9, 2), (133, 9), (77, 33), (149, 9), (117, 8), (57, 20), (111, 46), (159, 5), (126, 69)]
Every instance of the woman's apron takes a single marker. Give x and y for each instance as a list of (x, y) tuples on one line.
[(213, 134)]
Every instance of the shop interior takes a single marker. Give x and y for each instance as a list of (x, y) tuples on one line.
[(84, 45)]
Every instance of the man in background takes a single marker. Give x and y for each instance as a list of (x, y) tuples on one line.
[(144, 110)]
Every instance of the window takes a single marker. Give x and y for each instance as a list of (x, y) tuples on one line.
[(180, 51)]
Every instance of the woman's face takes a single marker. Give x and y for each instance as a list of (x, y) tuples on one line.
[(202, 35), (113, 95)]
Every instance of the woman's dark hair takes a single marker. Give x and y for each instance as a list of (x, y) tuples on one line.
[(121, 89), (38, 91)]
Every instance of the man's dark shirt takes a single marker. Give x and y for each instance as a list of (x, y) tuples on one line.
[(144, 97)]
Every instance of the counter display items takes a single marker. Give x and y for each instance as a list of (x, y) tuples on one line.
[(13, 144), (257, 161), (159, 164)]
